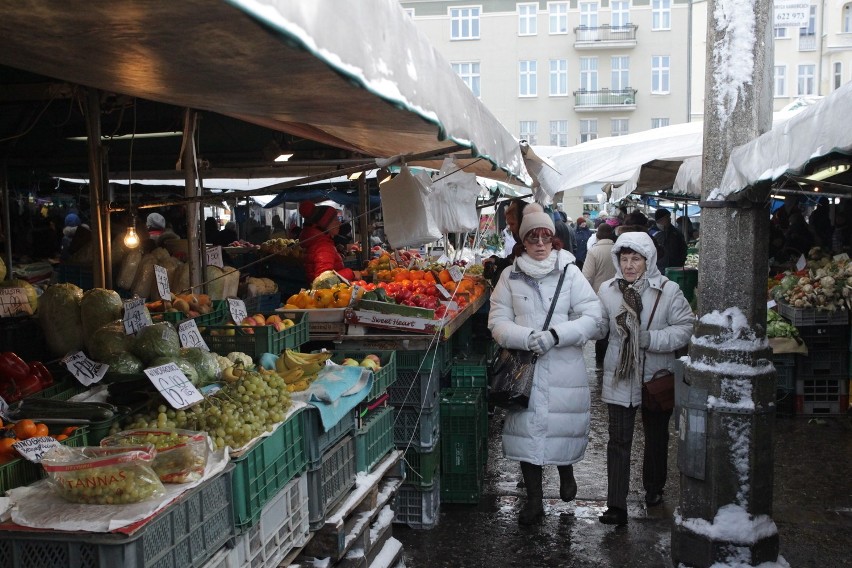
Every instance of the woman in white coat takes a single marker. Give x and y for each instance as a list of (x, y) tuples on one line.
[(554, 429), (648, 319)]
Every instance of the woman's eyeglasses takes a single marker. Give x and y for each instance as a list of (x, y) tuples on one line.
[(541, 240)]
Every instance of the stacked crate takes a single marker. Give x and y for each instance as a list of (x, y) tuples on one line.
[(374, 418), (822, 376), (462, 457)]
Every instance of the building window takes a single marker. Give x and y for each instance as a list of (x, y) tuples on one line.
[(660, 74), (589, 73), (588, 14), (847, 18), (409, 12), (620, 13), (781, 33), (810, 29), (558, 132), (588, 130), (659, 122), (558, 77), (464, 22), (529, 131), (527, 75), (780, 80), (527, 19), (620, 73), (558, 17), (806, 79), (661, 14), (469, 72), (838, 75), (619, 126)]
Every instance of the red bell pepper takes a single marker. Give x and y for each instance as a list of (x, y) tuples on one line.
[(29, 385), (45, 378), (13, 367)]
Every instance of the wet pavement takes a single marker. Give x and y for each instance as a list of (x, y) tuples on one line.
[(812, 506)]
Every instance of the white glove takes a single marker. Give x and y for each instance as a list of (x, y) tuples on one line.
[(541, 342), (644, 339)]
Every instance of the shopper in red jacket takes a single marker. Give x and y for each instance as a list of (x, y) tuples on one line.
[(317, 239)]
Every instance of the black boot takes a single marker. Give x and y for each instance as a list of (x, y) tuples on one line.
[(567, 483), (614, 516), (533, 511)]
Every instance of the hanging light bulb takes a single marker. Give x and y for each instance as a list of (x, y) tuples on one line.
[(131, 239)]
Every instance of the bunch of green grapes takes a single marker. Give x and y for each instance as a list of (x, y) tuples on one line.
[(108, 485), (234, 415), (475, 269)]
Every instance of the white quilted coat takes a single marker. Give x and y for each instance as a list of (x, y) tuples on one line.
[(555, 428)]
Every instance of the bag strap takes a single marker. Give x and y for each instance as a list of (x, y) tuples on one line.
[(650, 319), (555, 297)]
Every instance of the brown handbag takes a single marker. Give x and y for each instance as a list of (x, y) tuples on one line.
[(658, 392)]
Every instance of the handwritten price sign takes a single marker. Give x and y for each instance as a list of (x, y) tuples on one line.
[(136, 315), (455, 273), (238, 310), (174, 386), (84, 369), (4, 409), (33, 449), (214, 257), (14, 303), (162, 276), (190, 336)]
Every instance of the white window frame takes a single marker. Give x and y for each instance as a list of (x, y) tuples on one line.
[(589, 73), (620, 13), (660, 74), (779, 74), (557, 18), (409, 12), (661, 15), (781, 33), (616, 124), (619, 72), (810, 29), (558, 78), (806, 79), (528, 130), (588, 129), (559, 133), (528, 78), (469, 71), (659, 122), (462, 17), (527, 18), (588, 14), (846, 25), (838, 74)]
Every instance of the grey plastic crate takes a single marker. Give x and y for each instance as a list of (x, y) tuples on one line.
[(331, 481), (318, 440), (785, 367), (415, 389), (417, 427), (416, 507)]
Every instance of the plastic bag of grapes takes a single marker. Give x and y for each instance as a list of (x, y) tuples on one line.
[(181, 454), (103, 476)]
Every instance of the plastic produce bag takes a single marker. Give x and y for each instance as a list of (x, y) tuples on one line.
[(406, 211), (129, 265), (453, 199), (181, 454), (144, 277), (103, 476)]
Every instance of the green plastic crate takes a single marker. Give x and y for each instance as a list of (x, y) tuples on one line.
[(469, 374), (461, 437), (382, 378), (20, 472), (439, 356), (374, 439), (266, 468), (263, 339), (219, 312), (422, 468)]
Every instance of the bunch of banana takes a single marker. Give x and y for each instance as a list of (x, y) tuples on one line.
[(309, 364)]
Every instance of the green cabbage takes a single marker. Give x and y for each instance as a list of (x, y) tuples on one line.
[(109, 340), (184, 365), (99, 306), (205, 363), (157, 340), (124, 363), (61, 320), (29, 290)]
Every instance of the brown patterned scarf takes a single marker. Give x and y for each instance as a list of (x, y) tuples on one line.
[(628, 322)]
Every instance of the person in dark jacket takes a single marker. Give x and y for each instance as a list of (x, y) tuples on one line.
[(670, 242), (582, 234), (495, 265)]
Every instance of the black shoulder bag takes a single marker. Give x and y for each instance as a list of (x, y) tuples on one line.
[(658, 391), (513, 370)]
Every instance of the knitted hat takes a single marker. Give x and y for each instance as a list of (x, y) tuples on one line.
[(155, 221), (613, 222), (72, 220), (535, 218), (319, 216), (581, 221), (660, 213)]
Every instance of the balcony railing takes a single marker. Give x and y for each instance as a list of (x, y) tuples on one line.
[(624, 99), (807, 42), (605, 36)]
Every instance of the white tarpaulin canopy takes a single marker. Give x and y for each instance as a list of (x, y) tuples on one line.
[(820, 129)]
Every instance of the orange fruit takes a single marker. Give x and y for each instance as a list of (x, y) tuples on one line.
[(60, 437), (6, 449), (41, 430), (69, 430), (25, 428)]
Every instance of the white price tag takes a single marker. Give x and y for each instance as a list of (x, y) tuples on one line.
[(190, 336), (397, 257), (357, 292), (444, 259), (214, 257), (411, 263), (770, 304), (14, 302), (33, 449), (174, 386), (136, 315), (84, 369), (162, 276), (238, 310), (456, 273), (801, 263), (4, 409), (443, 291)]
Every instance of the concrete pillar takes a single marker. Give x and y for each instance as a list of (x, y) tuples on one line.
[(725, 409)]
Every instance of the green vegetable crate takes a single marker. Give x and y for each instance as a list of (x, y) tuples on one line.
[(383, 378), (220, 310), (462, 463), (256, 340), (374, 439)]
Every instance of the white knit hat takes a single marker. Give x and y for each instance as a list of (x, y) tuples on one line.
[(535, 218)]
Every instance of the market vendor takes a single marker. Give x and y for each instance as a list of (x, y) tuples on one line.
[(317, 240)]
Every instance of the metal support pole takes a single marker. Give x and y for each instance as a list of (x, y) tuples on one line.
[(194, 250), (93, 126), (364, 219)]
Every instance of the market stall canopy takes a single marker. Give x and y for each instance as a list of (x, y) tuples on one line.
[(354, 75), (818, 134)]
